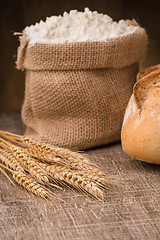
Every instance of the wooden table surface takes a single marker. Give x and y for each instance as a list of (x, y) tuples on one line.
[(131, 209)]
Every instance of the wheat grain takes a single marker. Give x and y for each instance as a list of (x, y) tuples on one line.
[(47, 148), (53, 154), (63, 166), (26, 181), (48, 153), (33, 168), (102, 182), (71, 163), (76, 179), (66, 157), (86, 175), (44, 156), (10, 160), (26, 161), (30, 184)]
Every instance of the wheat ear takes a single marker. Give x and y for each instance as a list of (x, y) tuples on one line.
[(66, 157), (10, 160), (28, 183), (74, 178), (47, 148), (65, 166), (28, 162), (53, 159), (44, 157), (31, 166), (52, 154)]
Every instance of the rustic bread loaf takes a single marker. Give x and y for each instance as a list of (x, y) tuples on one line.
[(146, 71), (140, 134)]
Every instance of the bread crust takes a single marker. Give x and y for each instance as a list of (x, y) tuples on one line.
[(147, 71), (140, 134)]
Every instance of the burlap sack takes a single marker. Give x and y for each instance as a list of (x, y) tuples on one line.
[(76, 93)]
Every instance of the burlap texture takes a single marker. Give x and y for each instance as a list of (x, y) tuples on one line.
[(76, 93)]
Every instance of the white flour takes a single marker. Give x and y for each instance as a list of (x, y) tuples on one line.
[(77, 27)]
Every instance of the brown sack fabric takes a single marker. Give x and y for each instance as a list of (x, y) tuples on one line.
[(76, 93)]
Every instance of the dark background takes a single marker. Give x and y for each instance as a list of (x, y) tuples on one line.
[(15, 15)]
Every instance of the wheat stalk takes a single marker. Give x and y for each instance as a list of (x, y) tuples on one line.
[(46, 162), (47, 152)]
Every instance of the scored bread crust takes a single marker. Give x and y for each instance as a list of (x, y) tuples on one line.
[(145, 86), (147, 71), (140, 134)]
